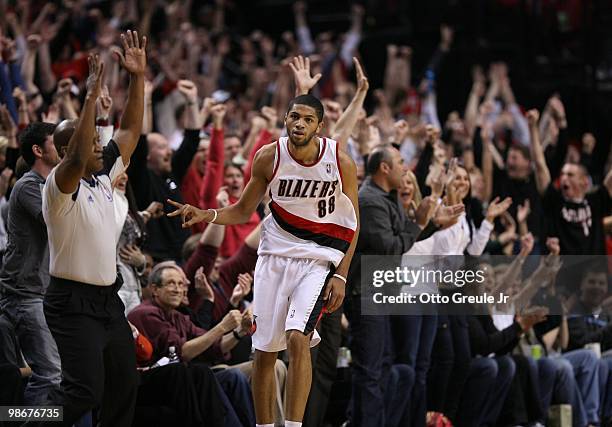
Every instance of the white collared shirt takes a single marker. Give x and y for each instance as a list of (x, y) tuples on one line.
[(81, 226)]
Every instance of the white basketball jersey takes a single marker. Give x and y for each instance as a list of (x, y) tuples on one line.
[(310, 216)]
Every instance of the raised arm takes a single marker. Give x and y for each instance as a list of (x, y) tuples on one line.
[(72, 166), (542, 172), (348, 119), (515, 268), (134, 60), (304, 82), (241, 211), (213, 177), (487, 160)]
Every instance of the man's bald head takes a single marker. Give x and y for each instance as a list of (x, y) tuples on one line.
[(63, 133)]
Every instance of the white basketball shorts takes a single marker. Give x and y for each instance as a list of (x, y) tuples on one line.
[(287, 295)]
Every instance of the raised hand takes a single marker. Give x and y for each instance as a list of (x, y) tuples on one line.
[(588, 143), (218, 114), (304, 82), (133, 58), (96, 75), (496, 208), (189, 90), (63, 88), (445, 216), (436, 179), (33, 42), (532, 117), (527, 243), (557, 108), (430, 134), (401, 131), (190, 215), (246, 281), (509, 233), (258, 123), (20, 96), (104, 103), (523, 211), (52, 115), (271, 116), (552, 243), (223, 197), (205, 110), (202, 286), (362, 81), (531, 316), (333, 110), (6, 122)]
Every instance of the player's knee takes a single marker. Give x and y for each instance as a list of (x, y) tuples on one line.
[(264, 359), (297, 342)]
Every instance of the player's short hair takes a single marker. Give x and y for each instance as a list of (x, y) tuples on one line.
[(310, 101), (381, 154), (34, 134)]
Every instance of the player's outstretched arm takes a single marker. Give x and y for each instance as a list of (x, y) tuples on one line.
[(241, 211), (335, 290)]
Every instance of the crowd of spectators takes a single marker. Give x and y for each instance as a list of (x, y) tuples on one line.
[(212, 98)]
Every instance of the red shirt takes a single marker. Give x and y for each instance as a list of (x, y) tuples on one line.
[(165, 329), (213, 180)]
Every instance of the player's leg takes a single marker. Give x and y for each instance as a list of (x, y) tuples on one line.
[(264, 386), (270, 305), (299, 375), (305, 310)]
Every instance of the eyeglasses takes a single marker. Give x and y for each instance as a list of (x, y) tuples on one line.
[(174, 285)]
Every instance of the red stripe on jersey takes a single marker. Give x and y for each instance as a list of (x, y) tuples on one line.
[(326, 228), (338, 162), (278, 158)]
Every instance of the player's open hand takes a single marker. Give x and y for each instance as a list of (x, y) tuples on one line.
[(190, 215), (304, 82), (133, 58), (334, 294)]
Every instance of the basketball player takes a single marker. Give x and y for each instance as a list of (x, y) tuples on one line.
[(306, 247)]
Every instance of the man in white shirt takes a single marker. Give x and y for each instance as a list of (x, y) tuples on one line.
[(82, 308)]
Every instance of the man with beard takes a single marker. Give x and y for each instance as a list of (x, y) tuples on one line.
[(306, 247), (25, 270), (81, 305)]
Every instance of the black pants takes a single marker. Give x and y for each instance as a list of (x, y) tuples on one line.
[(179, 394), (522, 404), (96, 348), (451, 360), (324, 360)]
